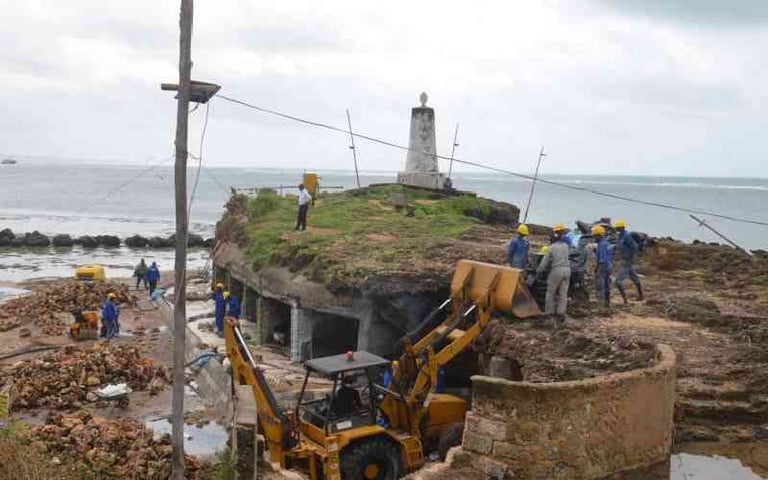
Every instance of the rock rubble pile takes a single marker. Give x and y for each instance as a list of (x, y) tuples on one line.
[(42, 308), (68, 378), (112, 448)]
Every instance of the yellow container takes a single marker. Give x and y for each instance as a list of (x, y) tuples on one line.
[(311, 182), (90, 272)]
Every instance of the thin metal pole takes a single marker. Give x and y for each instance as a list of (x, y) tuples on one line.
[(352, 147), (533, 184), (180, 261), (702, 223), (453, 149)]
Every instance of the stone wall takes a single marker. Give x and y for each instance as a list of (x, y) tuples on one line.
[(572, 430)]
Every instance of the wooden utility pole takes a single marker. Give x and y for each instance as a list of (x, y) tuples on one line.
[(180, 261), (533, 184), (453, 149), (352, 147)]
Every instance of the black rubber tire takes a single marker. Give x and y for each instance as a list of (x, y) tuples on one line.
[(450, 438), (379, 451)]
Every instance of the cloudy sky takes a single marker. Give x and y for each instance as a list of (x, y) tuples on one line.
[(622, 87)]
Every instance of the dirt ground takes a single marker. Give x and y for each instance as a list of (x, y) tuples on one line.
[(144, 327)]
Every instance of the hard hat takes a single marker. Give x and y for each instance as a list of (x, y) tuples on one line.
[(522, 229), (558, 228), (544, 250), (111, 295), (219, 285), (395, 364), (598, 230), (620, 224), (226, 294)]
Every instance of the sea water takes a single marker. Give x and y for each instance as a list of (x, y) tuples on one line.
[(85, 199)]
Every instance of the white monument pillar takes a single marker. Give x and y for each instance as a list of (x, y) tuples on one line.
[(421, 169)]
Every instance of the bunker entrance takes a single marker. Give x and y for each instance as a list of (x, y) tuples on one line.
[(276, 318), (333, 334)]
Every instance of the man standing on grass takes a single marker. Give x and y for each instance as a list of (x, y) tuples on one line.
[(304, 200)]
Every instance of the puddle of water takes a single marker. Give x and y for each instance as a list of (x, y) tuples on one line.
[(7, 293), (203, 441), (685, 466)]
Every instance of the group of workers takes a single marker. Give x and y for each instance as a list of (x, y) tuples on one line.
[(226, 304), (566, 261), (147, 275)]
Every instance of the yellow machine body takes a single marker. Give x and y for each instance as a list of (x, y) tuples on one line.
[(87, 329), (90, 273)]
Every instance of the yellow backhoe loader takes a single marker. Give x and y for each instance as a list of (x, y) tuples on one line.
[(363, 429)]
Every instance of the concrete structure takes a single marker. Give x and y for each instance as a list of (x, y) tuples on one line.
[(312, 321), (587, 429), (421, 169)]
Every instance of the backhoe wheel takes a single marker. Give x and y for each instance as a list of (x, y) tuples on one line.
[(374, 459), (450, 438)]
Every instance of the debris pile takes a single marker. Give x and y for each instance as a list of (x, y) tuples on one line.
[(573, 353), (42, 307), (69, 377), (113, 449)]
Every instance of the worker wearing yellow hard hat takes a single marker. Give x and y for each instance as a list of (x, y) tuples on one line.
[(628, 248), (603, 267), (558, 269), (517, 250), (109, 316)]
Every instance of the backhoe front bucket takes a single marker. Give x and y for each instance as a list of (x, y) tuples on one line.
[(509, 294)]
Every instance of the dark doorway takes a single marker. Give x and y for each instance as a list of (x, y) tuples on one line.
[(333, 334)]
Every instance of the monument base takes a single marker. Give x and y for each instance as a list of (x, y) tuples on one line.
[(434, 180)]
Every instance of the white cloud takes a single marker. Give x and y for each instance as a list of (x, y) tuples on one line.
[(605, 87)]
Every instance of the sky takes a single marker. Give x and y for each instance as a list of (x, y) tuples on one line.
[(606, 86)]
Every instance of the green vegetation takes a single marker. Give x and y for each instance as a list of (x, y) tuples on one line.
[(381, 229)]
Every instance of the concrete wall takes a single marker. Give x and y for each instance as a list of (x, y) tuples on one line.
[(572, 430)]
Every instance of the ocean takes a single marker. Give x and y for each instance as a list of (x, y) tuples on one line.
[(80, 199)]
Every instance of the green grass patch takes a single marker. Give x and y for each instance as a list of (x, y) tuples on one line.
[(357, 232)]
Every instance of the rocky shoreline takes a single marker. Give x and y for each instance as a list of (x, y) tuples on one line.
[(36, 239)]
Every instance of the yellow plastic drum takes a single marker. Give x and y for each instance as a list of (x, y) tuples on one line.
[(90, 273)]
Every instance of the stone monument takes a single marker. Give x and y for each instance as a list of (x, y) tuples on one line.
[(421, 168)]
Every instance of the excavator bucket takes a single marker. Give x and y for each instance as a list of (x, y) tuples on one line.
[(506, 286)]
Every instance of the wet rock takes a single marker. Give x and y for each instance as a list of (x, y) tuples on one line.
[(36, 239), (137, 241), (209, 242), (87, 241), (194, 240), (6, 237), (18, 241), (109, 241), (159, 242), (62, 240)]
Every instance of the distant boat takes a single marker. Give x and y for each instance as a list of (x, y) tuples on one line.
[(8, 161)]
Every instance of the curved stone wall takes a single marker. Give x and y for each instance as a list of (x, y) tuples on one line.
[(585, 429)]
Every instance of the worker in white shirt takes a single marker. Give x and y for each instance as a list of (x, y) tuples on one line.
[(304, 200)]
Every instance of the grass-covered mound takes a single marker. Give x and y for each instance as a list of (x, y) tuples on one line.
[(387, 230)]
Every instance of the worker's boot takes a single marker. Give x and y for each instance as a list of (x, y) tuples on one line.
[(640, 296), (623, 293)]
